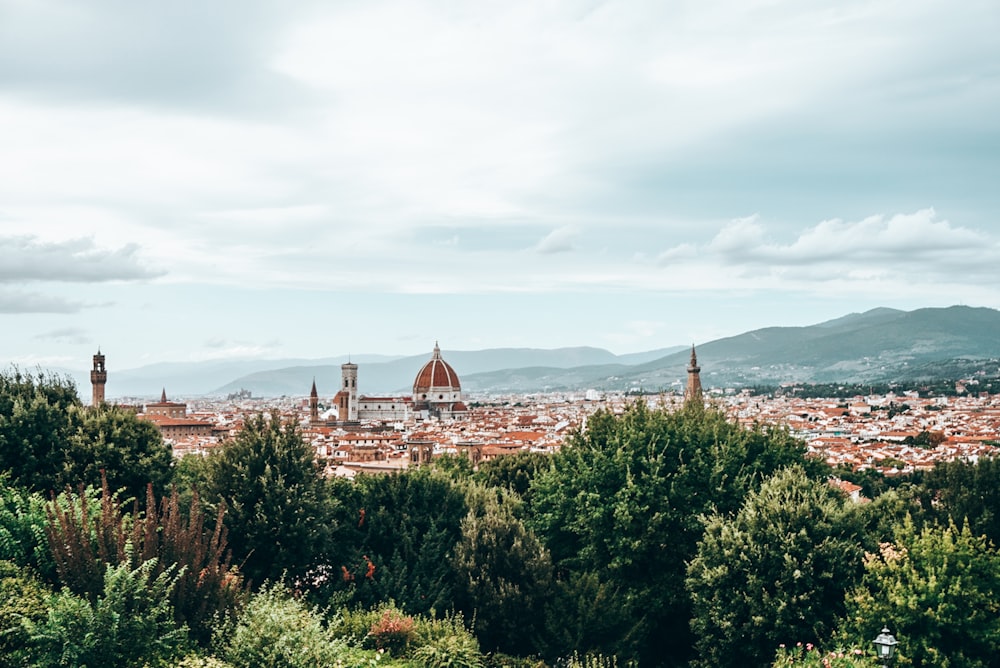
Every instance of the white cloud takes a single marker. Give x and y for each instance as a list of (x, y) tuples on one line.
[(26, 259), (902, 239), (557, 241)]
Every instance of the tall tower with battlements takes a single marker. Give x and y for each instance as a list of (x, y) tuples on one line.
[(98, 378), (692, 393)]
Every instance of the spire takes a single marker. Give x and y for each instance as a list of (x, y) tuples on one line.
[(313, 392), (692, 393), (437, 351), (163, 396)]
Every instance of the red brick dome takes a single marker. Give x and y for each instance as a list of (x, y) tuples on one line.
[(436, 379)]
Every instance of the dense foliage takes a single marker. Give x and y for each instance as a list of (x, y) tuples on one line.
[(621, 510), (654, 537)]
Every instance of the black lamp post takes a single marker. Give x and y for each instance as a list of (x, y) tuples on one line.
[(885, 646)]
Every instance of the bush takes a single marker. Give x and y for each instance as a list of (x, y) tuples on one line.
[(446, 642), (810, 656), (278, 631), (22, 599), (130, 624), (392, 632), (451, 651)]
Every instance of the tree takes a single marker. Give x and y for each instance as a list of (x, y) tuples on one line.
[(938, 589), (130, 452), (622, 500), (277, 510), (513, 472), (402, 529), (49, 441), (965, 491), (774, 573), (36, 423), (504, 575)]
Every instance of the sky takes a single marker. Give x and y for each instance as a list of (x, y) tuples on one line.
[(191, 181)]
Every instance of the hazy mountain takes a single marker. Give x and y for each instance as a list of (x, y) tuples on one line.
[(396, 376), (881, 344)]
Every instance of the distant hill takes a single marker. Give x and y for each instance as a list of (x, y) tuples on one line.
[(877, 345), (396, 376)]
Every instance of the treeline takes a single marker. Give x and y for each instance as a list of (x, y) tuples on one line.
[(653, 538)]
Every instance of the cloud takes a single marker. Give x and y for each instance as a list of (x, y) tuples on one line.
[(559, 240), (900, 239), (26, 259), (910, 253), (71, 335), (33, 302)]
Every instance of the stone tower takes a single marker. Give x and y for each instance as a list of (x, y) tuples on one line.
[(693, 390), (349, 386), (314, 404), (98, 378)]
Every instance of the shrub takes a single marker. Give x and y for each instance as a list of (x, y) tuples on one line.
[(22, 599), (130, 624), (809, 655), (278, 631), (393, 631), (451, 651), (446, 642)]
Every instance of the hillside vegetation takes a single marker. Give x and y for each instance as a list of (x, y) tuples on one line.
[(653, 538)]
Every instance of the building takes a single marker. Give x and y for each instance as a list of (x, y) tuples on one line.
[(692, 392), (166, 408), (437, 391), (174, 424), (98, 379)]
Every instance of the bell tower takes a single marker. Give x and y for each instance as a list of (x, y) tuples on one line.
[(349, 377), (692, 393), (98, 378), (314, 404)]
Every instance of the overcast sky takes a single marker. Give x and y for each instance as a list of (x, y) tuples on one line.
[(195, 180)]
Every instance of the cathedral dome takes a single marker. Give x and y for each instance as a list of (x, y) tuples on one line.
[(436, 381)]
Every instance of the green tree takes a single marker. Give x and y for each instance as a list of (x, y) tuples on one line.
[(402, 530), (130, 624), (504, 575), (965, 491), (277, 510), (36, 423), (938, 590), (776, 572), (623, 501), (130, 452), (514, 472)]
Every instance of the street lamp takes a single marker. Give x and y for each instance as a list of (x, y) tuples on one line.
[(885, 646)]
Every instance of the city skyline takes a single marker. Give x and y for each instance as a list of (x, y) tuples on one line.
[(256, 181)]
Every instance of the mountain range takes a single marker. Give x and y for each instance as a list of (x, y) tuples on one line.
[(877, 345)]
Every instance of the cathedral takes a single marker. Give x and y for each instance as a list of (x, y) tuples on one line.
[(437, 393)]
